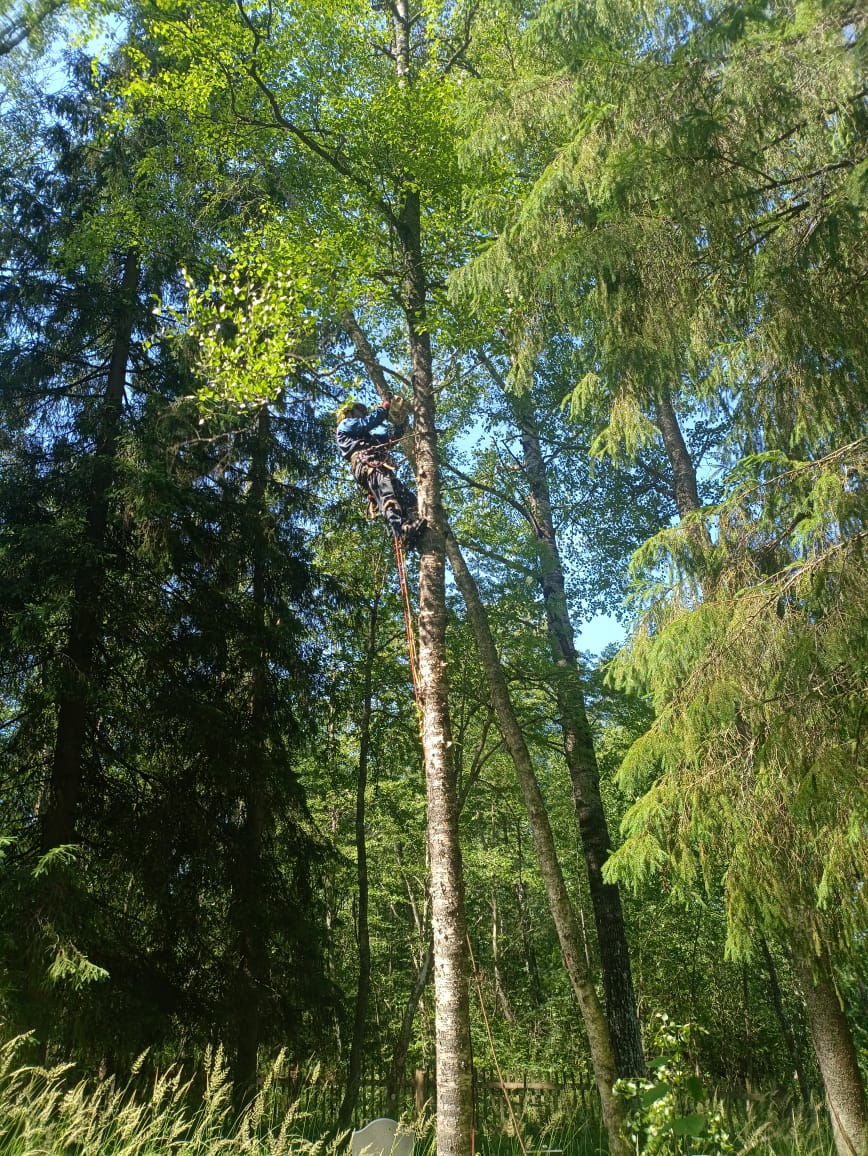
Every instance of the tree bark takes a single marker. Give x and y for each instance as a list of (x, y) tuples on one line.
[(73, 709), (451, 966), (836, 1054), (363, 990), (499, 990), (451, 970), (684, 485), (563, 912), (448, 919), (581, 759)]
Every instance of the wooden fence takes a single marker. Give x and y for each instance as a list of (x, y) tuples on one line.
[(538, 1099)]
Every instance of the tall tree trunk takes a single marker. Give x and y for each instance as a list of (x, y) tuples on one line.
[(499, 991), (64, 787), (563, 912), (530, 962), (581, 759), (836, 1055), (363, 989), (248, 883), (451, 971)]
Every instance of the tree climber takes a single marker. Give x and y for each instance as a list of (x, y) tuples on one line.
[(376, 470)]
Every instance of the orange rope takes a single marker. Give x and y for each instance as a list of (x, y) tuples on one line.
[(408, 615)]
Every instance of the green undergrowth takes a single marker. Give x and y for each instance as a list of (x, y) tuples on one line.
[(791, 1135), (51, 1111)]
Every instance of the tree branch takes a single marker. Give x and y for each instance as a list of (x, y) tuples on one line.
[(517, 506), (332, 157), (365, 353)]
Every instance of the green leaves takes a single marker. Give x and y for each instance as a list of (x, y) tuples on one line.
[(653, 1094), (251, 326), (690, 1125), (664, 1118)]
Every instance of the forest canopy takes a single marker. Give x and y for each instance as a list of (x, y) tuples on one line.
[(612, 259)]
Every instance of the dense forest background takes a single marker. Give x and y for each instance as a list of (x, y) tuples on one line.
[(615, 256)]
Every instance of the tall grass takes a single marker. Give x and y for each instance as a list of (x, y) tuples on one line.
[(51, 1112), (774, 1137), (758, 1130), (48, 1112)]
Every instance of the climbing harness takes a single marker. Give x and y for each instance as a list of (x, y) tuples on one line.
[(362, 462), (372, 457), (408, 616)]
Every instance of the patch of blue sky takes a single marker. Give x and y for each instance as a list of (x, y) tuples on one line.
[(75, 32)]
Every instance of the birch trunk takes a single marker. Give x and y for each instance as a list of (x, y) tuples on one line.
[(451, 970), (563, 913)]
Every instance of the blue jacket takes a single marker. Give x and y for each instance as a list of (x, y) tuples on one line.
[(355, 433)]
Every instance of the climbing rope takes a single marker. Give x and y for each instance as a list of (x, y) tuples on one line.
[(408, 616)]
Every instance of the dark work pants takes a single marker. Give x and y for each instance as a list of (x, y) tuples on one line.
[(395, 501)]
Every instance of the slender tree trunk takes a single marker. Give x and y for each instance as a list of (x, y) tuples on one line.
[(448, 920), (398, 1066), (563, 912), (363, 990), (64, 788), (785, 1026), (581, 760), (499, 991), (836, 1054), (451, 970), (530, 963)]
